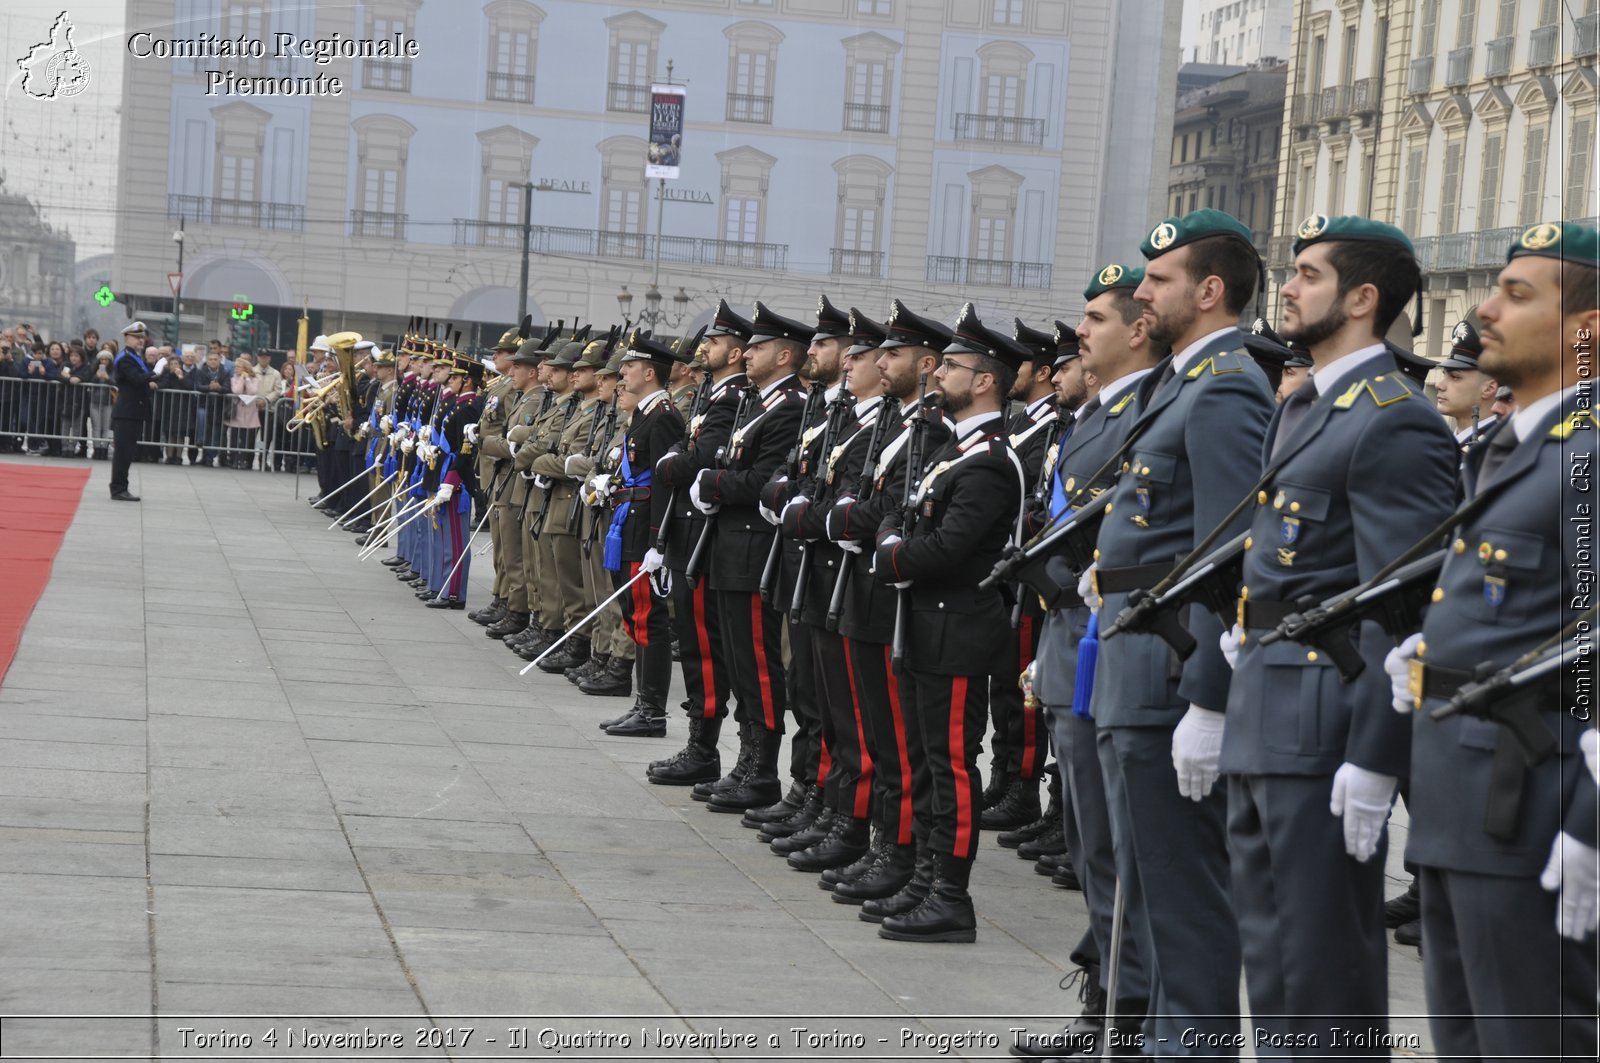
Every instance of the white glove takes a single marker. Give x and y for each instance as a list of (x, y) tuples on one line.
[(447, 492), (849, 546), (386, 423), (1573, 874), (583, 464), (426, 433), (542, 482), (1362, 798), (597, 489), (471, 434), (827, 521), (395, 438), (1196, 748), (1589, 742), (653, 560), (1398, 665), (512, 448), (672, 453), (694, 497), (1090, 598), (767, 515), (1230, 645), (429, 452), (403, 429), (408, 445)]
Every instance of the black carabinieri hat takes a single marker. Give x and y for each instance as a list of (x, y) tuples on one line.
[(905, 329), (1465, 347), (1041, 346), (1067, 348), (865, 333), (641, 347), (973, 337), (727, 323), (832, 323), (765, 325)]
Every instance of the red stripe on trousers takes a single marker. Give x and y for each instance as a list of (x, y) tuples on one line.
[(958, 766), (863, 798), (763, 676), (904, 753), (702, 636), (824, 761), (641, 608)]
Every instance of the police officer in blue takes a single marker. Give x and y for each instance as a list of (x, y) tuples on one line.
[(1361, 467), (1507, 849), (135, 383), (1158, 720)]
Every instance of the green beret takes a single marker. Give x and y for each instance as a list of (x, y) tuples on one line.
[(1565, 240), (1113, 277), (1195, 225), (1320, 227)]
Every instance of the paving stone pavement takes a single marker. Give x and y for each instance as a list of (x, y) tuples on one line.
[(244, 775)]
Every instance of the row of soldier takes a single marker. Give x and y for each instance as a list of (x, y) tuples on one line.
[(1223, 610)]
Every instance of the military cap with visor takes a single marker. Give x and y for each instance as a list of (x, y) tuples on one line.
[(1067, 348), (727, 323), (1040, 345), (865, 334), (766, 325), (642, 347), (906, 329), (1466, 347), (832, 323), (972, 336)]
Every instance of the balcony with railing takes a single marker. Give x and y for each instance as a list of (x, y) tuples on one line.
[(866, 118), (1458, 67), (1280, 252), (1334, 103), (509, 88), (944, 269), (630, 99), (1479, 251), (1497, 57), (1365, 96), (391, 75), (245, 213), (379, 223), (1542, 44), (601, 243), (852, 263), (745, 108), (1420, 77), (1000, 129), (1586, 37)]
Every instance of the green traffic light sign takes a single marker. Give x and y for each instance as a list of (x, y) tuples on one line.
[(105, 296)]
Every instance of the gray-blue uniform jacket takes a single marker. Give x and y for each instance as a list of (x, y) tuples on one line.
[(1369, 471), (1193, 463), (1506, 587), (1092, 442)]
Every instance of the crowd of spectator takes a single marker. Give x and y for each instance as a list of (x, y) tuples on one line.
[(221, 408)]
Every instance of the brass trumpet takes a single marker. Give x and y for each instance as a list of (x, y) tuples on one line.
[(337, 391)]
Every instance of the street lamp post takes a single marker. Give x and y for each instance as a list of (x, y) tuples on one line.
[(177, 294)]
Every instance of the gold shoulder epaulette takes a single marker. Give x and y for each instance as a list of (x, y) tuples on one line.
[(1582, 421), (1386, 389), (1226, 362), (1122, 404)]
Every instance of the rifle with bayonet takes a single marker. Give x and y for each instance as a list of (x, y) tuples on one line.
[(697, 557), (791, 468), (916, 446), (837, 414), (602, 466), (866, 486), (1040, 495), (702, 399), (537, 527)]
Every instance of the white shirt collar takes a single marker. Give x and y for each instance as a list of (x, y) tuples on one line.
[(1527, 418), (646, 403), (1325, 377), (1187, 355), (968, 425), (867, 404), (1466, 431), (1037, 406), (1113, 391), (833, 392), (766, 392)]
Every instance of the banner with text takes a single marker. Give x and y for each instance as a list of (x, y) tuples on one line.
[(666, 131)]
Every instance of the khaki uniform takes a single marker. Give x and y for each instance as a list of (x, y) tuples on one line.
[(521, 592), (561, 529), (609, 637), (544, 597), (491, 425)]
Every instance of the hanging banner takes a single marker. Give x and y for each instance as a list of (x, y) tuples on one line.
[(666, 131)]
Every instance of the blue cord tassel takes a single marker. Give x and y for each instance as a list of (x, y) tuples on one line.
[(1088, 655)]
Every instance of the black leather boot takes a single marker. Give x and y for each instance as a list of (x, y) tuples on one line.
[(741, 767), (832, 876), (488, 614), (572, 653), (445, 601), (788, 805), (798, 820), (527, 635), (595, 663), (1081, 1036), (848, 841), (1066, 876), (1019, 807), (645, 721), (698, 761), (908, 896), (531, 648), (615, 682), (1052, 842), (393, 562), (999, 783), (805, 837), (694, 729), (945, 914), (760, 785), (886, 878), (507, 623), (1052, 817)]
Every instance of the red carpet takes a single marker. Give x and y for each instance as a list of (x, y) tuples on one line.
[(36, 505)]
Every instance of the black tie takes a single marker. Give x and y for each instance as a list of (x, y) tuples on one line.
[(1166, 375), (1497, 450), (1295, 408)]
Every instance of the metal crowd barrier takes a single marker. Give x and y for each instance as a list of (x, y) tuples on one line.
[(186, 427)]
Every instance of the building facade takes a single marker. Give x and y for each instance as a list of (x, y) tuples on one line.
[(36, 277), (1226, 139), (1238, 32), (1461, 122), (938, 150)]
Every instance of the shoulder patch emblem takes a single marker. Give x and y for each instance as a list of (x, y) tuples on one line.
[(1384, 390), (1582, 421), (1121, 405)]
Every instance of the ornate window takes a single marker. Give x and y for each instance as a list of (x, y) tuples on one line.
[(745, 174), (241, 131), (752, 71), (385, 18), (858, 225), (622, 197), (635, 39), (513, 50), (382, 145), (868, 78), (507, 156)]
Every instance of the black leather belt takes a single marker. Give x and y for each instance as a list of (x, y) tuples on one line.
[(1265, 615), (631, 494), (1129, 578), (1432, 681)]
